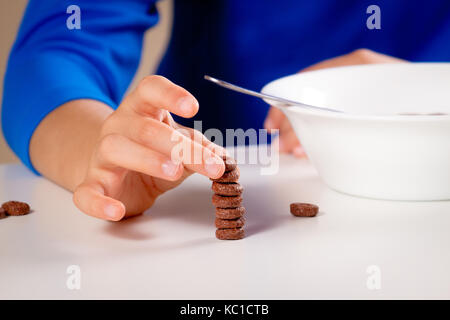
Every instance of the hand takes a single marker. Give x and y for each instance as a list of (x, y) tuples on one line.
[(277, 120), (132, 163)]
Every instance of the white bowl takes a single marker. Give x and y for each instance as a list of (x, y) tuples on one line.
[(371, 150)]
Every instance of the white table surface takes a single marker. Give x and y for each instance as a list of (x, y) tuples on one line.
[(170, 252)]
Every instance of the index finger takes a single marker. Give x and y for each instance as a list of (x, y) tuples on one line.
[(156, 92)]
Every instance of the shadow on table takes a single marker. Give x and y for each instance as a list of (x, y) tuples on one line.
[(265, 208), (193, 207), (128, 229)]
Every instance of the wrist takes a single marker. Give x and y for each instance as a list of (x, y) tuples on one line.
[(62, 144)]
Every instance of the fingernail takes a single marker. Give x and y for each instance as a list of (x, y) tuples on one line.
[(111, 212), (169, 168), (213, 167), (186, 105)]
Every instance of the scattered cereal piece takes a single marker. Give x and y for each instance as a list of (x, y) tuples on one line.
[(304, 209), (16, 208)]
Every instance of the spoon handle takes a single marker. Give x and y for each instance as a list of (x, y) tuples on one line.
[(279, 102)]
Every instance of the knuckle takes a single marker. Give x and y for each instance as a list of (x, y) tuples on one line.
[(141, 88), (108, 144), (363, 53), (108, 125), (104, 177), (149, 81), (146, 131), (111, 179), (145, 84)]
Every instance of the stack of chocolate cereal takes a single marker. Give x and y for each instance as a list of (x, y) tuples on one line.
[(227, 199)]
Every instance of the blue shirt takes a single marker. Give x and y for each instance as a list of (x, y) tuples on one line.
[(246, 42)]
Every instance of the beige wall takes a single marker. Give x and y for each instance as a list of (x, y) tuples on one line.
[(11, 12)]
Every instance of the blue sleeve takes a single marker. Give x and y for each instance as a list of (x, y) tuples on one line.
[(50, 64)]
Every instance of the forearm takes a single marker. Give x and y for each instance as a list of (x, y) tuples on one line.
[(62, 144)]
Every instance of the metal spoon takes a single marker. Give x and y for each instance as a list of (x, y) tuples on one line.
[(280, 102)]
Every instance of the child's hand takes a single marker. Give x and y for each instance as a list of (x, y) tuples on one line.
[(131, 164), (277, 120)]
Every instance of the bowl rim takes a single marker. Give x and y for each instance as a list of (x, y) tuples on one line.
[(350, 116)]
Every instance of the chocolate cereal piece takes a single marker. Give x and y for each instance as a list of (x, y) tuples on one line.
[(227, 199), (230, 164), (16, 208), (227, 189), (230, 224), (230, 213), (2, 213), (231, 176), (226, 202), (304, 209), (230, 234)]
